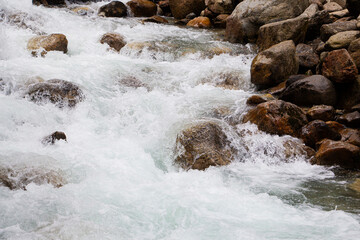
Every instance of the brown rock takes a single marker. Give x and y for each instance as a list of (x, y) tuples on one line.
[(165, 7), (350, 119), (202, 146), (277, 117), (59, 92), (316, 131), (255, 100), (220, 20), (351, 136), (328, 30), (113, 9), (308, 59), (156, 19), (339, 67), (354, 7), (321, 112), (341, 39), (55, 136), (221, 6), (343, 154), (142, 8), (52, 42), (181, 8), (274, 65), (354, 51), (114, 40), (337, 127), (355, 185), (199, 22), (332, 7)]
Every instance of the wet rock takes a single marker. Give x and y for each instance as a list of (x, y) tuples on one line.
[(335, 126), (49, 2), (181, 8), (59, 92), (132, 82), (52, 138), (339, 67), (220, 20), (277, 117), (114, 40), (332, 7), (316, 131), (220, 6), (156, 19), (199, 22), (341, 39), (354, 7), (243, 23), (321, 112), (202, 146), (350, 119), (113, 9), (351, 136), (328, 30), (308, 59), (257, 99), (44, 44), (354, 51), (82, 11), (295, 78), (339, 153), (142, 8), (275, 64), (313, 90)]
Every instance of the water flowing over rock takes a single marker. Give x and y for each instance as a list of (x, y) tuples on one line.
[(53, 42), (114, 40), (277, 117), (142, 8), (342, 39), (52, 138), (201, 146), (113, 9), (181, 8)]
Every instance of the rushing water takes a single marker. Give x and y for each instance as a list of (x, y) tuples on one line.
[(121, 182)]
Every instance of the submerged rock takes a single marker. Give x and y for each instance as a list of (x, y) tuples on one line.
[(202, 146), (52, 42), (142, 8), (59, 92), (55, 136), (113, 9), (114, 40)]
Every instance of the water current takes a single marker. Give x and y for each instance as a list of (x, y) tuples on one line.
[(118, 161)]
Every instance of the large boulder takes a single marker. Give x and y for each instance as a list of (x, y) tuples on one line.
[(339, 153), (316, 131), (113, 9), (114, 40), (313, 90), (59, 92), (354, 7), (327, 30), (342, 39), (181, 8), (44, 44), (275, 64), (142, 8), (221, 6), (243, 24), (354, 51), (339, 67), (277, 117), (202, 146)]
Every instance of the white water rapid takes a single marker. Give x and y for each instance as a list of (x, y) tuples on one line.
[(118, 161)]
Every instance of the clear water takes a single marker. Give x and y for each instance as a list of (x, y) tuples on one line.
[(118, 161)]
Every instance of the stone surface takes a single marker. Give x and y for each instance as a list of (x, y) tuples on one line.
[(243, 23), (321, 112), (277, 117), (52, 138), (52, 42), (339, 67), (313, 90), (221, 6), (350, 119), (59, 92), (354, 51), (316, 131), (202, 146), (355, 185), (351, 136), (113, 9), (328, 30), (199, 22), (156, 19), (275, 64), (142, 8), (181, 8), (332, 7), (114, 40), (308, 59), (220, 20), (341, 39), (339, 153)]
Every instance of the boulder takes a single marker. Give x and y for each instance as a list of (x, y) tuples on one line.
[(202, 146), (321, 112), (52, 138), (350, 119), (348, 94), (328, 30), (113, 9), (339, 153), (142, 8), (155, 19), (59, 92), (52, 42), (308, 59), (335, 126), (316, 131), (351, 136), (277, 117), (339, 67), (49, 2), (332, 7), (181, 8), (315, 23), (354, 7), (199, 22), (313, 90), (221, 6), (243, 23), (255, 100), (275, 64), (341, 39), (354, 51), (165, 7), (114, 40)]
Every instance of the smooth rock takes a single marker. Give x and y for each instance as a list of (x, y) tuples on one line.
[(321, 112), (342, 39), (332, 7), (113, 9), (52, 42), (181, 8), (351, 136), (350, 119), (114, 40), (328, 30), (199, 22), (316, 131), (221, 6), (142, 8)]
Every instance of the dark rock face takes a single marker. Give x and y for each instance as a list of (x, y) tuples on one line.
[(181, 8), (354, 51), (55, 136), (317, 130), (221, 6), (277, 117), (310, 91), (113, 9), (321, 112), (327, 30), (199, 22), (351, 136), (49, 2), (202, 146), (275, 64), (308, 59), (354, 7), (59, 92), (142, 8), (348, 94), (114, 40), (343, 154), (339, 67), (350, 119)]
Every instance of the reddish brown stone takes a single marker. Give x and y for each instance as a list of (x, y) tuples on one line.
[(114, 40), (199, 22), (142, 8), (321, 112), (351, 136), (350, 119), (317, 130)]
